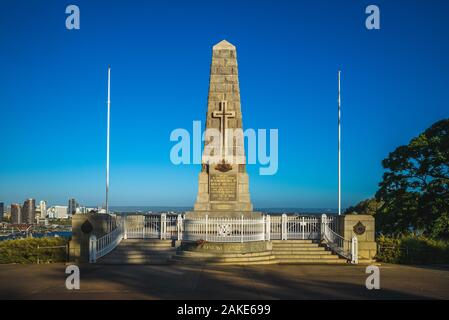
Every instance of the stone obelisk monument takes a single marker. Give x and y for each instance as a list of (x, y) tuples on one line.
[(223, 184)]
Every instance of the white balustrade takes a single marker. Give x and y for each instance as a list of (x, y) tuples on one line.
[(275, 227), (99, 247), (338, 244), (224, 229)]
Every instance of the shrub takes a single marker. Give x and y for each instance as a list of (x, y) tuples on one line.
[(32, 250), (412, 249)]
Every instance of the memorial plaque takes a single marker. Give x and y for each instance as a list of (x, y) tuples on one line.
[(223, 187)]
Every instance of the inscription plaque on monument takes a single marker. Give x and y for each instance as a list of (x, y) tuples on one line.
[(223, 187)]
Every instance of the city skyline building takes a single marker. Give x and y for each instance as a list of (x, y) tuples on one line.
[(29, 211), (72, 207), (43, 209), (58, 212), (16, 213)]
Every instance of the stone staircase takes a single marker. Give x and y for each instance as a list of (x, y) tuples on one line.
[(155, 251), (303, 252), (140, 251)]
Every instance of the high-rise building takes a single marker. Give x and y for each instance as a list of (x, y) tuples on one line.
[(7, 214), (16, 213), (2, 210), (29, 211), (72, 207), (43, 207)]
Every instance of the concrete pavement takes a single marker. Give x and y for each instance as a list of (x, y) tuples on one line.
[(223, 282)]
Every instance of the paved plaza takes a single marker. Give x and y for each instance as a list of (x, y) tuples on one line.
[(223, 282)]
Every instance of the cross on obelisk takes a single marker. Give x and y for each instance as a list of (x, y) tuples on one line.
[(223, 115)]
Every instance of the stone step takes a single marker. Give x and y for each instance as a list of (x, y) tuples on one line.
[(144, 249), (223, 255), (147, 240), (302, 253), (146, 243), (306, 256), (303, 247), (143, 243), (248, 263), (293, 241), (311, 261), (315, 248), (299, 245)]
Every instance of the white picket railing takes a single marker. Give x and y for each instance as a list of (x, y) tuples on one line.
[(276, 227), (152, 226), (106, 243), (338, 244), (225, 229)]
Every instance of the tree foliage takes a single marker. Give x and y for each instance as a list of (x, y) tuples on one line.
[(368, 206), (415, 187)]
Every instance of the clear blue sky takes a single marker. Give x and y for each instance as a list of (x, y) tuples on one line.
[(53, 93)]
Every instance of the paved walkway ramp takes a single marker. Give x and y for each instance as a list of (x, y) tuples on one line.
[(140, 251)]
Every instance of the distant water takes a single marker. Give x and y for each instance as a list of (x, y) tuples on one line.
[(158, 209), (155, 209), (64, 234)]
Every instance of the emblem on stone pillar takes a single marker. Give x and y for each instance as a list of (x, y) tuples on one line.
[(223, 166), (87, 227), (359, 228)]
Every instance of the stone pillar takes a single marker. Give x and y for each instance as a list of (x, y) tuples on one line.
[(83, 226), (363, 227)]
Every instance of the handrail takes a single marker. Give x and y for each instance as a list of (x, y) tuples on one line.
[(338, 244), (106, 243)]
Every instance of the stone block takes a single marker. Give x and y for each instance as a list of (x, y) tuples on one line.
[(83, 226), (353, 225)]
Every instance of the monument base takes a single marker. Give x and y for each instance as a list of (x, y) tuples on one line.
[(223, 214), (227, 247), (246, 253)]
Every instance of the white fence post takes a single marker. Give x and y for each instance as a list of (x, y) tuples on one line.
[(284, 227), (264, 227), (268, 228), (207, 226), (354, 250), (163, 225), (323, 225), (241, 232), (125, 229), (92, 249), (179, 225)]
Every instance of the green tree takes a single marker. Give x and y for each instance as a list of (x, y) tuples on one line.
[(415, 186), (368, 206)]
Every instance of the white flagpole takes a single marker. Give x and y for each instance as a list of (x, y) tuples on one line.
[(107, 139), (339, 146)]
